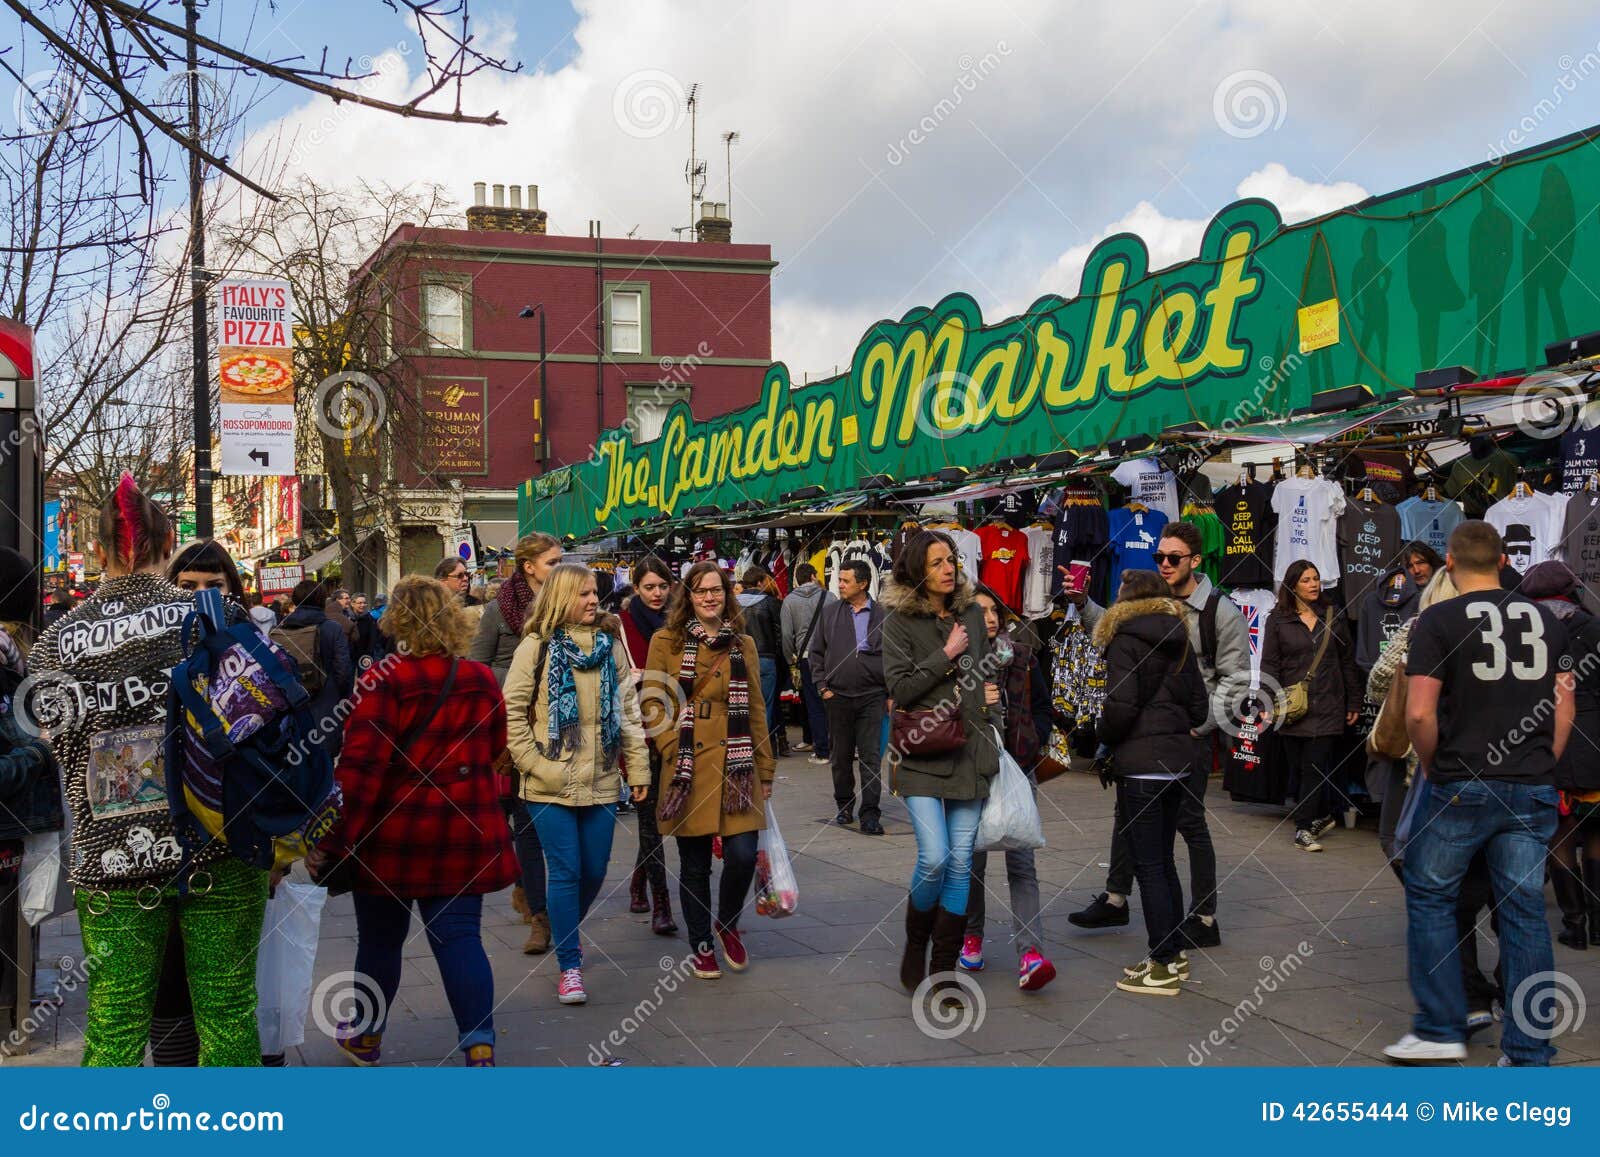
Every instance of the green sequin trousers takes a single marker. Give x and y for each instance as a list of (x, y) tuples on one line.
[(125, 938)]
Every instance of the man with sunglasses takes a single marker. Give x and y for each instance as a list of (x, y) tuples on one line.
[(1221, 639)]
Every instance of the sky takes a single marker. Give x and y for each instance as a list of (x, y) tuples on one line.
[(892, 153)]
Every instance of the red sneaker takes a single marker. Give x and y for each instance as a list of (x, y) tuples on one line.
[(732, 948), (705, 967), (1034, 972)]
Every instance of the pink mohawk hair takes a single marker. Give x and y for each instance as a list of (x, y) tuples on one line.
[(130, 523)]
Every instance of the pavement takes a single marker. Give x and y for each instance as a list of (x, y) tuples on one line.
[(1311, 971)]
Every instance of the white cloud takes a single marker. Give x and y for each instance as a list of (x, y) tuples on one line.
[(1033, 123)]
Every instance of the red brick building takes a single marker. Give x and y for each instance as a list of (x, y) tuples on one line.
[(631, 326)]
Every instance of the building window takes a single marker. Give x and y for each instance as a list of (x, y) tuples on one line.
[(386, 329), (648, 406), (628, 319), (444, 314)]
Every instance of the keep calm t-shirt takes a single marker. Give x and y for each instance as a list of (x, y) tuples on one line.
[(1369, 540), (1580, 458), (1308, 510), (1429, 522), (1247, 525), (1580, 543), (1497, 655)]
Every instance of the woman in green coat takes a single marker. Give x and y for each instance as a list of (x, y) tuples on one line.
[(936, 654)]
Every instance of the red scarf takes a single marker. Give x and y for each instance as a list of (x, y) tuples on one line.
[(516, 596)]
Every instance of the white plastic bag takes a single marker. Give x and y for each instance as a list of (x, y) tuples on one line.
[(45, 891), (284, 966), (1010, 819), (777, 891)]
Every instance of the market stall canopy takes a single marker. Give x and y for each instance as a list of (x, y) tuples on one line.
[(1264, 317)]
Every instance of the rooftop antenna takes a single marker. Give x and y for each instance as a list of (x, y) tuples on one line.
[(695, 172), (727, 139)]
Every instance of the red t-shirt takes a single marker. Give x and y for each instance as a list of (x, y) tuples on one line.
[(1005, 562)]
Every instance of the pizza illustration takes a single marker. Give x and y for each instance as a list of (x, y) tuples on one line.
[(251, 373)]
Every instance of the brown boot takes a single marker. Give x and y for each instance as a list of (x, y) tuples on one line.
[(914, 961), (519, 903), (636, 898), (538, 935), (661, 922)]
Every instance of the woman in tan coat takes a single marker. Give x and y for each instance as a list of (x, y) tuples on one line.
[(572, 713), (716, 759)]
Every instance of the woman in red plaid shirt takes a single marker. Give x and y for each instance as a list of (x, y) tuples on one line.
[(422, 822)]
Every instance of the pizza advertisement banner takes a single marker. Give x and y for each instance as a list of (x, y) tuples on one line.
[(255, 374)]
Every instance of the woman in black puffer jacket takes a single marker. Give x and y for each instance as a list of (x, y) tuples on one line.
[(1155, 698)]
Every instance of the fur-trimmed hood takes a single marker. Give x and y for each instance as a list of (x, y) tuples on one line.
[(1124, 616), (905, 600)]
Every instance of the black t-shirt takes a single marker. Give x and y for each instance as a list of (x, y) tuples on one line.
[(1497, 655), (1369, 541), (1247, 525), (1081, 535), (1580, 458)]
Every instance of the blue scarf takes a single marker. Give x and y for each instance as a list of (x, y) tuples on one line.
[(566, 731)]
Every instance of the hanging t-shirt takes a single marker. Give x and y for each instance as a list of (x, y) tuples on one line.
[(969, 546), (1134, 535), (860, 550), (1531, 527), (1580, 542), (1248, 522), (1369, 540), (1429, 522), (1580, 458), (1005, 562), (882, 563), (830, 572), (1212, 539), (1151, 485), (1037, 586), (1015, 509), (1082, 533), (1308, 511), (1255, 605)]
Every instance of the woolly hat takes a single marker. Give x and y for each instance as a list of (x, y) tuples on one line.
[(1549, 580)]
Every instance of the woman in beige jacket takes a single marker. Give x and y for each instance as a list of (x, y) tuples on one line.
[(708, 721), (571, 714)]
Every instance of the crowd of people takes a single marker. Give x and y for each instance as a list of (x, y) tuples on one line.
[(481, 744)]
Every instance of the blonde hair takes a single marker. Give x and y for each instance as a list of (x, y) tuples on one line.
[(553, 608), (424, 618), (532, 547), (1440, 588)]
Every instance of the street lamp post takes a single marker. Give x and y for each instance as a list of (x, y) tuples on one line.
[(544, 385)]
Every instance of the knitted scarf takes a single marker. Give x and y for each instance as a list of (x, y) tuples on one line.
[(566, 730), (516, 596), (648, 621), (738, 775)]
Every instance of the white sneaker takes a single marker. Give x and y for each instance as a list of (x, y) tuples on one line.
[(818, 760), (1413, 1050)]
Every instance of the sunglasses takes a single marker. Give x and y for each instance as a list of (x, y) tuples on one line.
[(1169, 559)]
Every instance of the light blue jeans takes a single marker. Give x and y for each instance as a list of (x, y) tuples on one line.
[(946, 830)]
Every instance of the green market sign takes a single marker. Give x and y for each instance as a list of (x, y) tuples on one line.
[(1478, 268)]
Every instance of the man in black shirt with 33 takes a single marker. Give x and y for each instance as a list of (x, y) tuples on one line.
[(1489, 707)]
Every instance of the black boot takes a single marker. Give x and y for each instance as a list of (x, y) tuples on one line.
[(914, 961), (948, 931), (1574, 912), (661, 922), (636, 899), (1591, 880)]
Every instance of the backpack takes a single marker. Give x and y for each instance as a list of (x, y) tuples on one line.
[(301, 645), (1208, 628), (243, 743)]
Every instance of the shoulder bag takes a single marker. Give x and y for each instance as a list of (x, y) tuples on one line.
[(1296, 699)]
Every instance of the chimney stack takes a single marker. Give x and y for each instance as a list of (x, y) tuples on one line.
[(714, 224), (501, 217)]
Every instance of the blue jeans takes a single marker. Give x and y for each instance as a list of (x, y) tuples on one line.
[(769, 696), (453, 926), (530, 856), (577, 847), (946, 830), (1512, 824), (815, 712)]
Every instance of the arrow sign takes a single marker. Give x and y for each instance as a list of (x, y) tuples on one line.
[(260, 456)]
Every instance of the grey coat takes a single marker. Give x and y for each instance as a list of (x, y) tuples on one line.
[(919, 676), (495, 642)]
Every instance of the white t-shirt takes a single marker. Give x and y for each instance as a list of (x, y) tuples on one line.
[(1531, 527), (969, 547), (1041, 563), (1151, 485), (1308, 523), (1255, 605)]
